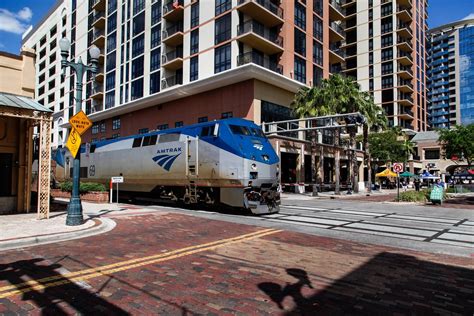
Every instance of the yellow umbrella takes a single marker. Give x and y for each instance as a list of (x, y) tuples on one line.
[(386, 173)]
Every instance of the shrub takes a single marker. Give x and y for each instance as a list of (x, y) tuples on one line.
[(457, 190), (84, 187), (412, 196)]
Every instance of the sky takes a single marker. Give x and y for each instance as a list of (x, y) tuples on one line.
[(17, 15)]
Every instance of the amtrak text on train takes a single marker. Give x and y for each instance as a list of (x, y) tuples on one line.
[(169, 150)]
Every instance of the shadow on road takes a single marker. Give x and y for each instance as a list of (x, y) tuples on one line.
[(387, 284), (48, 296)]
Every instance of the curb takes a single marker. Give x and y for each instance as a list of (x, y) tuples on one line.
[(106, 225)]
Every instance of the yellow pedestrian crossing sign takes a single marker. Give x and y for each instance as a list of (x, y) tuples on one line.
[(73, 142), (80, 122)]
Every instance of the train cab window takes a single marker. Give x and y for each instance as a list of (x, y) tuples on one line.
[(92, 148), (206, 131), (149, 140), (239, 130), (137, 142), (256, 132)]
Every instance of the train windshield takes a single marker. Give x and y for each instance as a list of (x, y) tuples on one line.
[(247, 131)]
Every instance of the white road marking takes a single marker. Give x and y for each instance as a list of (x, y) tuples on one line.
[(369, 232), (396, 230), (453, 243), (458, 237), (316, 220)]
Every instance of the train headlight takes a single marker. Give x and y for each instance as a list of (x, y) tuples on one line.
[(253, 167)]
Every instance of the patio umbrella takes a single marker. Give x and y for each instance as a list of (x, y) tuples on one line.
[(386, 173), (407, 174)]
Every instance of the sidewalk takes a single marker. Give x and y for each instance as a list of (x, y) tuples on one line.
[(25, 230)]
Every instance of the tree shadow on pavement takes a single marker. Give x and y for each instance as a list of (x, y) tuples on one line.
[(387, 284), (56, 295)]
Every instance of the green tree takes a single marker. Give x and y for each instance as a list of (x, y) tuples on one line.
[(339, 95), (458, 141)]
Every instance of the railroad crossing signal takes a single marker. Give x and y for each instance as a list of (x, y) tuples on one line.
[(73, 142), (398, 167), (80, 122)]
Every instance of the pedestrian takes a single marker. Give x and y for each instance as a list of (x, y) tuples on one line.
[(417, 184), (404, 186)]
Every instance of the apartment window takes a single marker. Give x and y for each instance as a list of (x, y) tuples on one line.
[(110, 81), (116, 135), (111, 60), (387, 82), (111, 41), (51, 98), (318, 7), (162, 127), (371, 84), (227, 115), (139, 23), (222, 58), (194, 49), (102, 127), (195, 14), (41, 90), (194, 69), (155, 82), (300, 15), (317, 76), (155, 36), (51, 84), (318, 28), (386, 9), (387, 54), (202, 119), (136, 89), (300, 42), (116, 123), (109, 99), (371, 29), (143, 131), (138, 45), (155, 59), (222, 29), (300, 69), (178, 124), (112, 23), (371, 57), (222, 6), (371, 71), (371, 44), (95, 129), (387, 40), (112, 5), (387, 68), (156, 13), (137, 67), (432, 154), (138, 5)]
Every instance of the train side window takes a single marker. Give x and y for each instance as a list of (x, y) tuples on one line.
[(146, 141), (166, 138), (92, 149), (153, 139), (137, 142), (205, 131)]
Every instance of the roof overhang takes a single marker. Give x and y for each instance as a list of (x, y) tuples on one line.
[(225, 78)]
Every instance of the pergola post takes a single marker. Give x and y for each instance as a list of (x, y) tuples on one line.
[(44, 166)]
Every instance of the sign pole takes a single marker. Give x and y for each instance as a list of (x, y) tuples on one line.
[(111, 191), (398, 186), (117, 193)]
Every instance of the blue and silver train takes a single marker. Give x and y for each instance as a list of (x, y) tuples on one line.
[(228, 162)]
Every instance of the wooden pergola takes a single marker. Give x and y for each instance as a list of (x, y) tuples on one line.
[(21, 115)]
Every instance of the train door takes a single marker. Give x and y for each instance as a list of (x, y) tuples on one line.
[(192, 157)]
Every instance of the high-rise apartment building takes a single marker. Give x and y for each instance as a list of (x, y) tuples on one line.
[(451, 74), (385, 51), (165, 64)]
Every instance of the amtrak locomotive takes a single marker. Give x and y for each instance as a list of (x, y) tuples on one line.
[(228, 162)]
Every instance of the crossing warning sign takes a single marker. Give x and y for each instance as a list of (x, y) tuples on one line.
[(73, 142), (80, 122)]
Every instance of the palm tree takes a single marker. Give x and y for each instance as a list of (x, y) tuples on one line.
[(408, 148)]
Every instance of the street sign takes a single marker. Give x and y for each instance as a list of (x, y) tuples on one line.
[(117, 179), (80, 122), (73, 142), (397, 167)]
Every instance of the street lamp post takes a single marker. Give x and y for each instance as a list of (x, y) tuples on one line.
[(74, 209)]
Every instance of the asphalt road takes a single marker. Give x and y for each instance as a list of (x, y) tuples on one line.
[(430, 229)]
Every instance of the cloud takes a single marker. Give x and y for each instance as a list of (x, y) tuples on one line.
[(15, 22), (470, 16)]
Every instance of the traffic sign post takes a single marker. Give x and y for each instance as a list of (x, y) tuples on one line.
[(116, 180), (80, 122), (398, 167)]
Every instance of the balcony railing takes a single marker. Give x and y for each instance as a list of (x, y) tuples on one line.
[(337, 50), (401, 8), (402, 25), (171, 81), (169, 56), (273, 8), (259, 29), (97, 16), (404, 54), (405, 83), (265, 62), (405, 111), (336, 27), (405, 68), (170, 6), (173, 29), (337, 6), (405, 96)]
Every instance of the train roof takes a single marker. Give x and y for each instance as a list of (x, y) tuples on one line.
[(188, 129)]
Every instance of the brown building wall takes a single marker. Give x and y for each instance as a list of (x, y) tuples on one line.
[(237, 98)]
